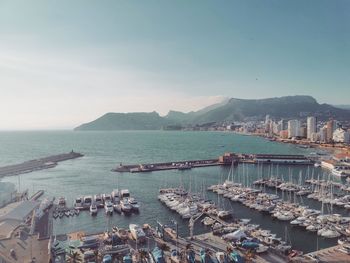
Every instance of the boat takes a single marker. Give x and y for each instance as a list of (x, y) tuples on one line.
[(124, 193), (98, 200), (108, 207), (78, 203), (93, 209), (107, 259), (117, 208), (125, 206), (137, 233), (121, 233), (87, 201), (61, 201), (134, 204), (115, 196), (208, 221), (106, 198)]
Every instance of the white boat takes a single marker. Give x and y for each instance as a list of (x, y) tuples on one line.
[(78, 203), (87, 201), (106, 198), (208, 221), (125, 206), (93, 209), (329, 233), (115, 196), (137, 233), (98, 200), (124, 193), (134, 204), (61, 201), (108, 207)]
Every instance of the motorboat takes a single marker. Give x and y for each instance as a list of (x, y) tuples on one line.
[(108, 207), (87, 201), (98, 200), (137, 233), (124, 193), (78, 203), (106, 198), (117, 208), (125, 206), (61, 201), (93, 209), (115, 196), (175, 256), (134, 204)]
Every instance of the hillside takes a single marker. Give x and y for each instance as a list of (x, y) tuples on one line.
[(126, 121), (231, 110)]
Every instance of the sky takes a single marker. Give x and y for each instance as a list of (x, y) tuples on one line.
[(63, 63)]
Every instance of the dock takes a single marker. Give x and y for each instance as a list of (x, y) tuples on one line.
[(330, 254), (225, 159), (37, 164)]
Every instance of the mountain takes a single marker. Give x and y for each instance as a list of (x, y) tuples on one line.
[(126, 121), (283, 107), (227, 111), (345, 107)]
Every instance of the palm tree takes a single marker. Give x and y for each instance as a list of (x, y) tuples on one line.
[(74, 257)]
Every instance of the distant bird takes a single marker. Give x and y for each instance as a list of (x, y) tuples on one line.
[(256, 79)]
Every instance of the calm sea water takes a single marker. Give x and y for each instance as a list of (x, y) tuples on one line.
[(105, 150)]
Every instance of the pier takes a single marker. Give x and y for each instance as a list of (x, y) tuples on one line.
[(226, 159), (37, 164)]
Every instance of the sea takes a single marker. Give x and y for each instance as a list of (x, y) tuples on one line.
[(104, 151)]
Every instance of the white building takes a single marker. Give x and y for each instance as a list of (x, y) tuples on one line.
[(323, 134), (293, 128), (311, 127), (341, 135)]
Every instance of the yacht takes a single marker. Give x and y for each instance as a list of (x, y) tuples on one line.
[(125, 206), (124, 193), (137, 233), (106, 198), (98, 200), (61, 201), (134, 204), (108, 207), (115, 196), (78, 203), (93, 209), (87, 201)]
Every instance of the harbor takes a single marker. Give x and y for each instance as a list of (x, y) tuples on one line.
[(91, 181), (226, 159)]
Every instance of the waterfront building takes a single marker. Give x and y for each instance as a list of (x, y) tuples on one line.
[(302, 132), (341, 135), (284, 134), (315, 137), (311, 126), (331, 126), (323, 134), (293, 128)]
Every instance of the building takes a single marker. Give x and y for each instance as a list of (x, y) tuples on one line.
[(311, 126), (315, 137), (341, 135), (323, 134), (302, 132), (331, 126), (293, 128), (284, 134)]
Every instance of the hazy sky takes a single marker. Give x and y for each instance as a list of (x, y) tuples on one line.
[(63, 63)]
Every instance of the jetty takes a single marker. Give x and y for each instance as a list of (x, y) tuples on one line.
[(225, 159), (37, 164)]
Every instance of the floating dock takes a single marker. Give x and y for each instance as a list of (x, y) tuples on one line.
[(226, 159), (37, 164)]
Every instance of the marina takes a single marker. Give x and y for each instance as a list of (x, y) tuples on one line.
[(90, 180)]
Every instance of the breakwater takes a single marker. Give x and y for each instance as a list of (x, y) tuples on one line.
[(226, 159), (37, 164)]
